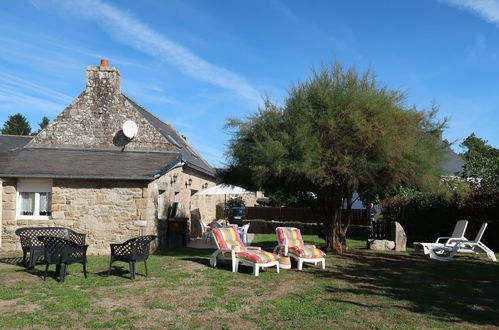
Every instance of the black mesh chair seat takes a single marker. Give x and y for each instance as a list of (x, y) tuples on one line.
[(63, 252), (30, 244), (131, 251)]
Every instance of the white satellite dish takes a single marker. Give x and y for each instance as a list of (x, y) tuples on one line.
[(130, 129)]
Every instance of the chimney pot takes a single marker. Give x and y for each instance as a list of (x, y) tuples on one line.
[(104, 62)]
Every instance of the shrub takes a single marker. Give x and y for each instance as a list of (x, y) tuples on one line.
[(425, 217)]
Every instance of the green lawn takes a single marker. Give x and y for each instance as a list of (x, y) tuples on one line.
[(360, 289)]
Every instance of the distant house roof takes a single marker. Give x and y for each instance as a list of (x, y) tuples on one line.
[(86, 164), (13, 142), (453, 163)]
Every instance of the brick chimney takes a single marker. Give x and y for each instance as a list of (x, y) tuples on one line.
[(103, 79)]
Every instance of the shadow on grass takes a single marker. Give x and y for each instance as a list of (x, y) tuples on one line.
[(464, 289), (17, 261)]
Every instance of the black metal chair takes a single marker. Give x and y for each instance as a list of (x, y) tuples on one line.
[(63, 252), (131, 251)]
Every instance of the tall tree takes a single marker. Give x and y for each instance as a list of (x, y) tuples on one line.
[(44, 123), (481, 163), (16, 125), (337, 133)]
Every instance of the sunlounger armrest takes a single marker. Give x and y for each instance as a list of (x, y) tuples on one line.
[(253, 248), (446, 238)]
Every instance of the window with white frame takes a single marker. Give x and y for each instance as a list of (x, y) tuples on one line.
[(34, 199)]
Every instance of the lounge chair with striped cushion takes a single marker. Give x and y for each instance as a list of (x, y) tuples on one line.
[(291, 244), (231, 248)]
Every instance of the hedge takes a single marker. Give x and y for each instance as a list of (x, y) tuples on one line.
[(424, 218)]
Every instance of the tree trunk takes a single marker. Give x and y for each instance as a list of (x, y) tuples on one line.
[(335, 236)]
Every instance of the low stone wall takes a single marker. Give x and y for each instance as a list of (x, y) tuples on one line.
[(269, 227)]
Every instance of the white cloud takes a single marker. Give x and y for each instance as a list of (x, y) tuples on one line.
[(131, 31), (10, 81), (487, 9)]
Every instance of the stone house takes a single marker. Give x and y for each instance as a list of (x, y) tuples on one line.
[(83, 172)]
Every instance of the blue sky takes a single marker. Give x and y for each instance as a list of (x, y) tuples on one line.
[(196, 63)]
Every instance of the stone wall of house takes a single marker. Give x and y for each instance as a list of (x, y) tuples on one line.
[(178, 186), (111, 211), (10, 242), (95, 118), (107, 211)]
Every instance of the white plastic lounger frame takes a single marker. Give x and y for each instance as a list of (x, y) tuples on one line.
[(457, 234), (448, 252), (218, 255)]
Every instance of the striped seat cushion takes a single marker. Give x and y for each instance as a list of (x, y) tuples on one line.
[(255, 256), (227, 238), (292, 238), (306, 251)]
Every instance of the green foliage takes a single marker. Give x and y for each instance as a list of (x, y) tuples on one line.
[(338, 132), (44, 123), (427, 216), (16, 125), (235, 202), (481, 163)]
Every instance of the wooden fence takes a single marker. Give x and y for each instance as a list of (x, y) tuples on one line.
[(300, 214)]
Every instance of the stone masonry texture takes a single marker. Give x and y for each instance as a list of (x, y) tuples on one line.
[(108, 211), (95, 118)]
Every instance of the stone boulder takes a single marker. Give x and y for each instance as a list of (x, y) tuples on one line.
[(399, 236), (380, 244)]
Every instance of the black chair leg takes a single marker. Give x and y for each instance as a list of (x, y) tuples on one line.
[(32, 261), (109, 270), (62, 273), (145, 265), (85, 269), (132, 270), (46, 271), (24, 258)]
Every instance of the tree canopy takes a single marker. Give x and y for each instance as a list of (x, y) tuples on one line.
[(16, 125), (481, 163), (338, 132)]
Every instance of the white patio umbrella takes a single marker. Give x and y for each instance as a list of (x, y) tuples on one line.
[(224, 189)]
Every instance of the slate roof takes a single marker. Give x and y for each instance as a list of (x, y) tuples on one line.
[(13, 142), (453, 162), (189, 155), (86, 164)]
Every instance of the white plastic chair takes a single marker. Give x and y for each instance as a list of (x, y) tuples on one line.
[(475, 246), (243, 233), (206, 231), (457, 234)]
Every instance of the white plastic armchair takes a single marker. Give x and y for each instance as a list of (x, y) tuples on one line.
[(457, 235), (243, 233), (206, 231), (465, 246)]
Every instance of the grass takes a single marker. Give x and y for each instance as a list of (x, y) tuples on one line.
[(360, 289)]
